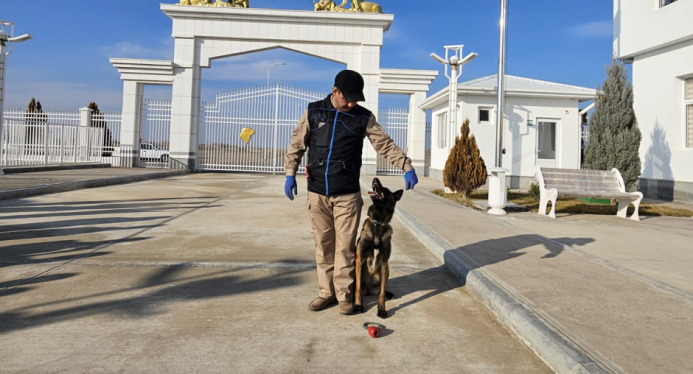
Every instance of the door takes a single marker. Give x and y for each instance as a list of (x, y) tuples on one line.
[(546, 144)]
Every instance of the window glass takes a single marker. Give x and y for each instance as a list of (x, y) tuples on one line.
[(484, 115)]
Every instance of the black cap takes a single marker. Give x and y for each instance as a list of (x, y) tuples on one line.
[(351, 84)]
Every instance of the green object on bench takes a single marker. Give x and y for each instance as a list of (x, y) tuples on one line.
[(590, 200)]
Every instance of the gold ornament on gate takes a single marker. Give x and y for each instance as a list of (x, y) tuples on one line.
[(356, 6), (246, 134)]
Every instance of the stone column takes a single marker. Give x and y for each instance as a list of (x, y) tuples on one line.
[(131, 124), (185, 114), (368, 65), (416, 132), (85, 116)]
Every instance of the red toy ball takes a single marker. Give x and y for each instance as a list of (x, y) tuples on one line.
[(373, 329)]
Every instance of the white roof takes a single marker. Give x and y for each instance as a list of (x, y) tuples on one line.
[(514, 86)]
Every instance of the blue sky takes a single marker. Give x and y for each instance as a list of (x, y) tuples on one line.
[(66, 64)]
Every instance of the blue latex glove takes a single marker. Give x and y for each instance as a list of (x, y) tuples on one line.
[(410, 179), (290, 187)]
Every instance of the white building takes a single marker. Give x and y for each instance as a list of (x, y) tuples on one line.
[(657, 36), (542, 125)]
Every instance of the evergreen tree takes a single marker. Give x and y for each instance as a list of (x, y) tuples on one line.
[(32, 126), (98, 120), (465, 170), (614, 139)]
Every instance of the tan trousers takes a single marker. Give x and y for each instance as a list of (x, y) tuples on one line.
[(335, 221)]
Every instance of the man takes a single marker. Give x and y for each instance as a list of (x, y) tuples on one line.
[(333, 130)]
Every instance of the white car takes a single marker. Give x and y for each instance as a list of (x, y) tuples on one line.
[(150, 152)]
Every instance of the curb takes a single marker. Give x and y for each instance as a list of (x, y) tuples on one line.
[(547, 344), (559, 354), (72, 186), (33, 169)]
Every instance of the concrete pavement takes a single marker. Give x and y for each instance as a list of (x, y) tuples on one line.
[(213, 273), (620, 291)]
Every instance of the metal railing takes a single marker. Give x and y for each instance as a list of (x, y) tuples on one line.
[(34, 141), (270, 111), (395, 122)]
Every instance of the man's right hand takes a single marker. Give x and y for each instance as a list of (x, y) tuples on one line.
[(290, 187)]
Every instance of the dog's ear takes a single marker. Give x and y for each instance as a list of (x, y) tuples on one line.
[(398, 194)]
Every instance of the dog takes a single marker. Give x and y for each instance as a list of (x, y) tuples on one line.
[(373, 248)]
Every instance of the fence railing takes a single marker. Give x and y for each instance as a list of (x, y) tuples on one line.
[(34, 141), (395, 122)]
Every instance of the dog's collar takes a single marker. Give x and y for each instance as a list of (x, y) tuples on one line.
[(377, 223)]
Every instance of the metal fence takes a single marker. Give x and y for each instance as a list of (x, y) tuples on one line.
[(110, 122), (52, 116), (395, 122), (35, 141), (269, 112), (155, 134)]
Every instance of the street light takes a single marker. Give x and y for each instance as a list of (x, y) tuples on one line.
[(268, 70), (453, 54), (4, 38)]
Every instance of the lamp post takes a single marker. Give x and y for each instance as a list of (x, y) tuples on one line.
[(268, 70), (4, 38), (501, 86), (497, 190), (454, 60)]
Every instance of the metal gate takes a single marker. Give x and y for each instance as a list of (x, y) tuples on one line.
[(155, 134), (270, 112), (395, 122)]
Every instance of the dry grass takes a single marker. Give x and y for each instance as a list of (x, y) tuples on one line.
[(569, 205)]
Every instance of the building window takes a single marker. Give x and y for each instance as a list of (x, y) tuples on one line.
[(688, 103), (663, 3), (442, 129), (484, 114)]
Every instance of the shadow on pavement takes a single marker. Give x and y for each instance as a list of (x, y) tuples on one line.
[(436, 281), (178, 288)]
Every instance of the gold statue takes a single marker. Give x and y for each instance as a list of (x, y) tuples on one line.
[(365, 6), (240, 3), (328, 5), (218, 3), (356, 6), (246, 134)]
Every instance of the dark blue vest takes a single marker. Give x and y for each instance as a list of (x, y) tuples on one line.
[(335, 147)]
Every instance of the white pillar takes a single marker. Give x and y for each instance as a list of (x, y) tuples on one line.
[(368, 65), (416, 134), (185, 113), (130, 127), (85, 116)]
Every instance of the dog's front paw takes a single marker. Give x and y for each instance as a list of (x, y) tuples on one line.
[(382, 313), (358, 309)]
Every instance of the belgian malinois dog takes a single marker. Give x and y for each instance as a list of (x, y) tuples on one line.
[(373, 248)]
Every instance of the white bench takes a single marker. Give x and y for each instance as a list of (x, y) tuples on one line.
[(599, 184)]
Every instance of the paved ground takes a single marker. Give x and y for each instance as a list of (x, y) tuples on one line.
[(213, 273), (622, 289)]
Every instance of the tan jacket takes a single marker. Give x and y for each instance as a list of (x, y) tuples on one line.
[(382, 143)]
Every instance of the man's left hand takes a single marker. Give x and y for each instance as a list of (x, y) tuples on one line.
[(410, 179)]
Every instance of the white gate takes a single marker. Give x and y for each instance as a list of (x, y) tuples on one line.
[(271, 112), (395, 122), (155, 134)]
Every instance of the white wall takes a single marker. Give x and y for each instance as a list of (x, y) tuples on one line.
[(519, 138), (658, 89), (641, 26)]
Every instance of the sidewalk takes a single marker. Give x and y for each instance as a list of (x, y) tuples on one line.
[(621, 291)]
